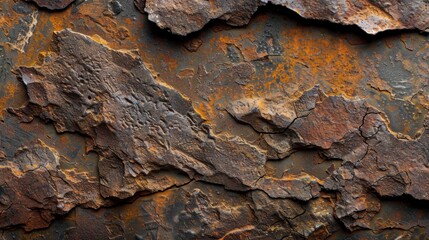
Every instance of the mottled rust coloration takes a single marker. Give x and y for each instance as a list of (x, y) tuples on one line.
[(264, 125)]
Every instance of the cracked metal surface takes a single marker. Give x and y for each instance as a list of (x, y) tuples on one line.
[(283, 129)]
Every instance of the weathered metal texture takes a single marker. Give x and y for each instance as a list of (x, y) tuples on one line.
[(52, 4), (183, 17), (283, 129)]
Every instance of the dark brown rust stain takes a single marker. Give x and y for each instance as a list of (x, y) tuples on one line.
[(53, 4)]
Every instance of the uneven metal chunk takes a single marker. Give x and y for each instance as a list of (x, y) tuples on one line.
[(374, 160), (53, 4), (284, 129), (184, 17), (372, 16), (33, 188), (139, 126)]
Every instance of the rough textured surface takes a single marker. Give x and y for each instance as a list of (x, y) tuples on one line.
[(184, 17), (141, 128), (374, 164), (53, 4), (34, 189), (138, 127), (283, 129), (373, 160), (372, 16)]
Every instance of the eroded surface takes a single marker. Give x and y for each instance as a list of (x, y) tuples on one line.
[(284, 129), (53, 4), (184, 17)]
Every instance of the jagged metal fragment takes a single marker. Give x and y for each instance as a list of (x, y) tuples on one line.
[(184, 17), (199, 211), (53, 4), (139, 126), (372, 16), (374, 159), (33, 188)]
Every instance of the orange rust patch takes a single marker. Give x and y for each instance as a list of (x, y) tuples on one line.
[(9, 89), (307, 59)]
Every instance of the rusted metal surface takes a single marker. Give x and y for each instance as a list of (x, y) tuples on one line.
[(53, 4), (285, 128), (183, 17)]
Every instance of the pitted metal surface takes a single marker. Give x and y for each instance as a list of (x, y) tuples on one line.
[(263, 125)]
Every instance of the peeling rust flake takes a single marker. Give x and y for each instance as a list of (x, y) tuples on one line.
[(52, 4), (284, 128), (184, 17)]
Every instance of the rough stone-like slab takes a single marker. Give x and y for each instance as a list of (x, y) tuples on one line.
[(184, 17), (150, 139), (138, 125), (53, 4), (33, 188)]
